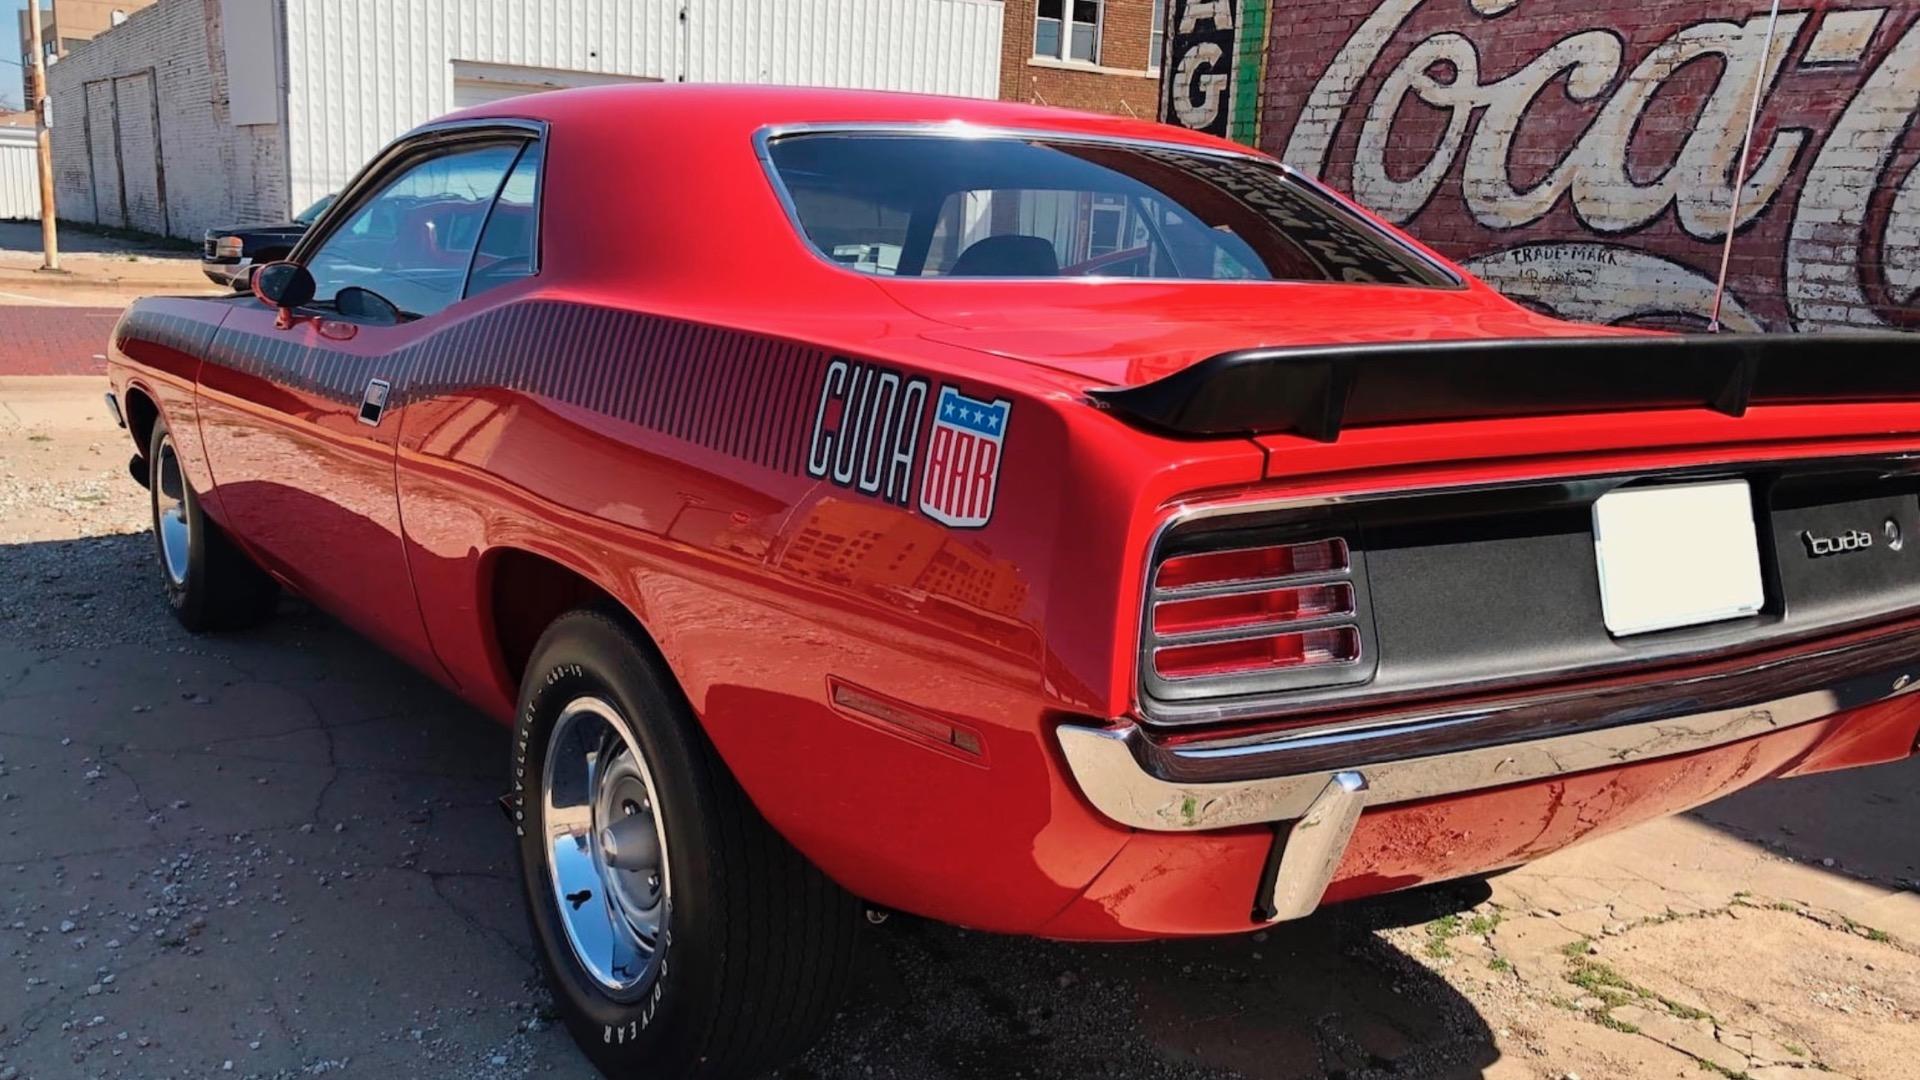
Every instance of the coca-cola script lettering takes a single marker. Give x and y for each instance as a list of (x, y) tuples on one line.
[(1583, 156)]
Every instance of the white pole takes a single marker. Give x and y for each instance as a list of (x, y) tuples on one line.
[(1740, 169)]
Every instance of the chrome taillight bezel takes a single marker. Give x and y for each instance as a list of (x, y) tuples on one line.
[(1180, 698)]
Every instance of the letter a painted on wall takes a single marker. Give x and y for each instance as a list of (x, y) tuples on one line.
[(1215, 55)]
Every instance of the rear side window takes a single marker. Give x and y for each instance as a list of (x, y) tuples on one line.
[(509, 241), (1007, 207)]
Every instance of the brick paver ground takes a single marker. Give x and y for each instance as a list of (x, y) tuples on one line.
[(44, 339)]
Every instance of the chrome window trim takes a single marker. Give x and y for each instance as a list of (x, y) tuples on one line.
[(764, 137), (1174, 716)]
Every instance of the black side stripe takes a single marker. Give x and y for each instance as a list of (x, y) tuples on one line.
[(730, 391)]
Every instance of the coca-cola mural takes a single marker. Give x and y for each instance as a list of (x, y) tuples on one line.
[(1582, 156)]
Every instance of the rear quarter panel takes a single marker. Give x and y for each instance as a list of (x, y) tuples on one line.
[(673, 462)]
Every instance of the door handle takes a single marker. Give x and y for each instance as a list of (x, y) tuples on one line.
[(375, 402)]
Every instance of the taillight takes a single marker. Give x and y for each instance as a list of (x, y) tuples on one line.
[(1254, 618)]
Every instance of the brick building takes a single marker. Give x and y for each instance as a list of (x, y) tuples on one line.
[(65, 26), (1099, 55), (1582, 156)]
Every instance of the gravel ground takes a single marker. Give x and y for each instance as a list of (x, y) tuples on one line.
[(276, 854)]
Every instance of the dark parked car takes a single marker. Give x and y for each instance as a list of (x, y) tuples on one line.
[(231, 253)]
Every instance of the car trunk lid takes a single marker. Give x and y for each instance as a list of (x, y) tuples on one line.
[(1123, 333)]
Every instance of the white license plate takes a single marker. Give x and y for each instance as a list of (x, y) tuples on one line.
[(1676, 556)]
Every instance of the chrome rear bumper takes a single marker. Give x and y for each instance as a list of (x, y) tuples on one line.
[(1321, 778)]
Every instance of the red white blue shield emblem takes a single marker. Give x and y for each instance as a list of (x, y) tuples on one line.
[(963, 459)]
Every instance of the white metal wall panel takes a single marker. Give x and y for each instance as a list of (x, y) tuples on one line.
[(19, 183), (481, 84), (932, 46), (360, 72)]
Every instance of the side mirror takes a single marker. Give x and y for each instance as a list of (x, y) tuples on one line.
[(284, 285), (365, 305)]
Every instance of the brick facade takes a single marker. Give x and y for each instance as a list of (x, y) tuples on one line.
[(1120, 83), (142, 137), (1581, 156)]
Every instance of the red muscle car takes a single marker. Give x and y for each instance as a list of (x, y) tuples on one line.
[(1052, 524)]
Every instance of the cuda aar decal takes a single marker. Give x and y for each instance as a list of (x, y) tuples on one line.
[(963, 459), (866, 436)]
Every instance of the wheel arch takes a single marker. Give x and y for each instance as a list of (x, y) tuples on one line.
[(142, 412), (521, 592)]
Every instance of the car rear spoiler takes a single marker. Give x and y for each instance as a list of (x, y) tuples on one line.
[(1318, 390)]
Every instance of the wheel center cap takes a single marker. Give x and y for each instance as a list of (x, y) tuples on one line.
[(630, 844)]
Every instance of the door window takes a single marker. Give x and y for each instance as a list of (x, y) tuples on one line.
[(413, 241)]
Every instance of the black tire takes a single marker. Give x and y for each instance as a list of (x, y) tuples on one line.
[(219, 588), (757, 943)]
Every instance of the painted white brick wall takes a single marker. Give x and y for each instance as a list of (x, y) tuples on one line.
[(209, 172)]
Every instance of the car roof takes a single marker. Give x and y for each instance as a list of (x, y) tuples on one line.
[(620, 154), (655, 196), (729, 112)]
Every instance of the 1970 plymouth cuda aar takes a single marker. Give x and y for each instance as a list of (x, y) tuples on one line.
[(1054, 524)]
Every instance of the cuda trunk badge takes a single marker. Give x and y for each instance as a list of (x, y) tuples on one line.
[(1822, 546)]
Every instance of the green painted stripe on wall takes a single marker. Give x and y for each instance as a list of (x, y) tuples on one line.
[(1249, 72)]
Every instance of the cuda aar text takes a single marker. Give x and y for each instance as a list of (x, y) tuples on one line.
[(866, 428)]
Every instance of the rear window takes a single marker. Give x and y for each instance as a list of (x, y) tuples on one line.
[(1019, 207)]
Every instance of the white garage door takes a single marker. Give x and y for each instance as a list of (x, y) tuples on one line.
[(477, 83)]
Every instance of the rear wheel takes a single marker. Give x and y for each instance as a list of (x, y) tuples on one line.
[(210, 583), (681, 934)]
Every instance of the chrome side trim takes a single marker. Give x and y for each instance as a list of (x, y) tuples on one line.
[(113, 407), (1315, 846), (1107, 763)]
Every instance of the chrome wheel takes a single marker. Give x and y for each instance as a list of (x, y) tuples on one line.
[(170, 513), (606, 849)]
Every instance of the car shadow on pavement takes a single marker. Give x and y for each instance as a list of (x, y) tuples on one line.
[(1323, 997), (1858, 822), (279, 852)]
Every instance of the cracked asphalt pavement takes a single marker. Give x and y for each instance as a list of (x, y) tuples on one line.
[(277, 854)]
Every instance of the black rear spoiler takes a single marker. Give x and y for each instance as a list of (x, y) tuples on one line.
[(1318, 390)]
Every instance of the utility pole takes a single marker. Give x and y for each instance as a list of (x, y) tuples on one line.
[(49, 241)]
